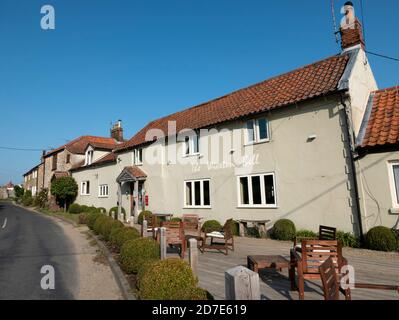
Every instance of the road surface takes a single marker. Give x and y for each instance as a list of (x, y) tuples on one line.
[(29, 241)]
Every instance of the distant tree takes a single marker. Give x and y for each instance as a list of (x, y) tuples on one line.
[(65, 190), (19, 191)]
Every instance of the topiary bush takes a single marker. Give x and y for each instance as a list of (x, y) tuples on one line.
[(120, 236), (102, 210), (170, 279), (348, 239), (108, 226), (176, 220), (75, 208), (85, 208), (99, 224), (135, 253), (91, 219), (211, 225), (113, 212), (381, 239), (283, 230), (144, 215)]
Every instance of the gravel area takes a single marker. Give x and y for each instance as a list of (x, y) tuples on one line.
[(95, 278)]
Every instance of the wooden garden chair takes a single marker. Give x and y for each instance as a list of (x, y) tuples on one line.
[(220, 240), (312, 255), (175, 236), (191, 224), (331, 282)]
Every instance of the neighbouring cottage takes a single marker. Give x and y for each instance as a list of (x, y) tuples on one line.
[(7, 191)]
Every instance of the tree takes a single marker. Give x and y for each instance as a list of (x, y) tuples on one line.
[(19, 191), (65, 190)]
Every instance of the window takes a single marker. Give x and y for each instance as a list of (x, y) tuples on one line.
[(257, 131), (103, 191), (394, 182), (138, 157), (85, 188), (89, 157), (197, 194), (54, 163), (257, 191), (68, 158), (191, 145)]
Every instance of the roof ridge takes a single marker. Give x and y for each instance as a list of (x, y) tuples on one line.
[(387, 89)]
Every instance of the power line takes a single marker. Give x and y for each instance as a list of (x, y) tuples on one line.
[(382, 56), (363, 23), (21, 149)]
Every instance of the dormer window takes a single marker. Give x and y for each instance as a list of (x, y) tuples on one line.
[(138, 157), (89, 157), (257, 131)]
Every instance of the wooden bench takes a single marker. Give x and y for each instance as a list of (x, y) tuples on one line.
[(260, 224)]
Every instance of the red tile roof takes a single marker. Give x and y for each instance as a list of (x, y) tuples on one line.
[(383, 124), (79, 145), (308, 82), (108, 158), (136, 172)]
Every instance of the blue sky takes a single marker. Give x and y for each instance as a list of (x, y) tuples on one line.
[(139, 60)]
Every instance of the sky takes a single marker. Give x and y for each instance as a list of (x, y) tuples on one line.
[(141, 60)]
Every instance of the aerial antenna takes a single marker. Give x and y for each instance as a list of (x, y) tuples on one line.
[(334, 22)]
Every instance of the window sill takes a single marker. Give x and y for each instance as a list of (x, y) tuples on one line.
[(85, 195), (394, 211), (257, 143), (198, 207), (102, 197), (257, 207), (192, 155)]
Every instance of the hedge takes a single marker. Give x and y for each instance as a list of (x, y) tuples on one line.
[(75, 208), (142, 215), (113, 212), (211, 225), (118, 237), (381, 239), (284, 230)]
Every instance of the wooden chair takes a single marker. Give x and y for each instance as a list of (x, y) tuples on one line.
[(191, 224), (313, 254), (331, 282), (223, 240), (325, 233), (175, 236)]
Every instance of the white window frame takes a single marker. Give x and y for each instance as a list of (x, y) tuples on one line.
[(191, 139), (83, 188), (136, 158), (103, 191), (257, 139), (89, 157), (262, 188), (193, 206), (392, 184)]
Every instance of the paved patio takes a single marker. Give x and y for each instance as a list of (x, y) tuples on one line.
[(370, 266)]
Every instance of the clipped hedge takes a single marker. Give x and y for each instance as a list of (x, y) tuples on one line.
[(176, 220), (108, 226), (85, 208), (113, 212), (102, 210), (118, 237), (136, 253), (211, 225), (98, 226), (91, 219), (283, 230), (143, 215), (170, 279), (381, 239), (75, 208)]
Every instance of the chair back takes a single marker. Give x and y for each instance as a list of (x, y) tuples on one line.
[(329, 278), (191, 222), (228, 229), (315, 252), (327, 233), (174, 232)]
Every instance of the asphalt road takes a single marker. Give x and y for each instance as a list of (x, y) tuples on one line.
[(29, 241)]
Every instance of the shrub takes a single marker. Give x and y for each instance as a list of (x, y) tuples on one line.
[(75, 208), (211, 225), (65, 190), (348, 239), (93, 209), (306, 234), (108, 226), (19, 191), (176, 220), (144, 215), (84, 208), (99, 224), (135, 253), (170, 279), (253, 232), (83, 218), (113, 212), (381, 239), (118, 238), (41, 199), (102, 210), (284, 230), (91, 219), (27, 199)]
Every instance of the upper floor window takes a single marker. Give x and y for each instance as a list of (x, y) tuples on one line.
[(103, 191), (257, 190), (191, 145), (257, 131), (197, 194), (85, 188), (394, 182), (68, 158), (89, 157), (138, 157), (54, 162)]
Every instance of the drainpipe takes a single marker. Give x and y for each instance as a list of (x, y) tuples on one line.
[(351, 136)]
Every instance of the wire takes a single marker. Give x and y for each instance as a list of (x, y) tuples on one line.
[(21, 149), (382, 56), (334, 22), (363, 23)]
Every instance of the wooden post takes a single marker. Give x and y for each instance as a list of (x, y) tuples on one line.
[(193, 255), (144, 229), (162, 237), (242, 284)]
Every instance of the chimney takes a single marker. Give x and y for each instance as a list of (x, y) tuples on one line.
[(351, 29), (117, 131)]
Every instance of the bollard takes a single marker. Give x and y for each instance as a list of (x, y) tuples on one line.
[(162, 237), (193, 255), (144, 229), (242, 284)]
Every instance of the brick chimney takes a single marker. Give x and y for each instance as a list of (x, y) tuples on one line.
[(351, 29), (117, 131)]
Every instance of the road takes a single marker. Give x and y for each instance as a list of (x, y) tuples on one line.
[(29, 241)]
